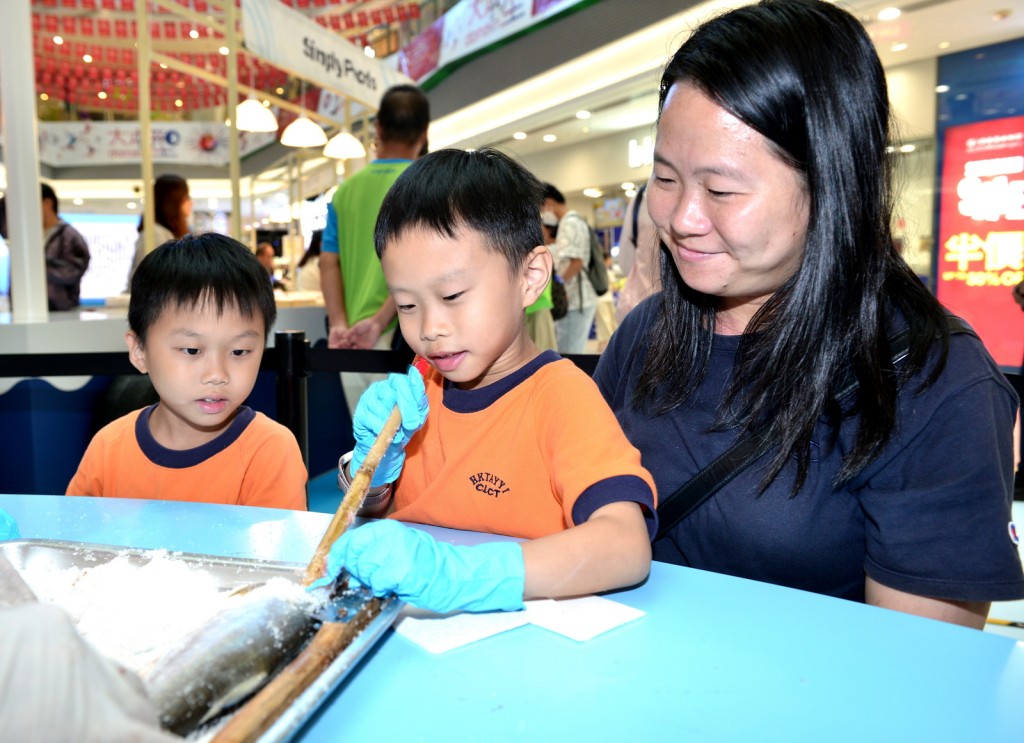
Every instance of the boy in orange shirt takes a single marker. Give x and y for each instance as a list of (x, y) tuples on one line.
[(200, 311), (517, 441)]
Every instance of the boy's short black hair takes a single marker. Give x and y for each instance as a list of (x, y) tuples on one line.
[(197, 269), (450, 190)]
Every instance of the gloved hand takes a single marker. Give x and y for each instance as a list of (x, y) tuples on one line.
[(389, 557), (372, 410), (8, 526)]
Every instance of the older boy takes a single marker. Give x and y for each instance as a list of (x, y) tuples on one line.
[(199, 315), (517, 441)]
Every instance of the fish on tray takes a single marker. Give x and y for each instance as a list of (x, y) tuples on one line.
[(232, 655)]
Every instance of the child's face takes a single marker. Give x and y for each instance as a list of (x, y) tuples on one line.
[(459, 306), (203, 366)]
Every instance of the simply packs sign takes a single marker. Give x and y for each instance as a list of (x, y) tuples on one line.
[(289, 40)]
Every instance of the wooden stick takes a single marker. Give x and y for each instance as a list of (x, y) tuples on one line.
[(354, 498), (260, 712)]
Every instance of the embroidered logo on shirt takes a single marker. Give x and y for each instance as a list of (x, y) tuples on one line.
[(488, 484), (1012, 527)]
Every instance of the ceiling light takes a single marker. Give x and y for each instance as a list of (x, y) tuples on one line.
[(78, 202), (519, 135), (194, 34), (593, 193), (628, 186), (549, 137), (44, 97), (163, 66), (369, 52), (344, 146), (102, 95), (907, 148), (224, 51), (87, 58), (253, 116), (58, 40), (131, 205), (888, 14), (630, 193), (941, 88), (179, 103), (303, 132), (585, 130), (944, 45), (583, 114), (279, 90), (899, 46)]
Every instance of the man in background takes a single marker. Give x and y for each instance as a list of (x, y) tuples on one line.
[(360, 312), (572, 256), (67, 255)]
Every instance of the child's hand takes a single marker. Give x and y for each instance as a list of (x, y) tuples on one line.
[(8, 526), (407, 392), (389, 557)]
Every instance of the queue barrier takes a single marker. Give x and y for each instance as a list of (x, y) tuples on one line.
[(291, 359)]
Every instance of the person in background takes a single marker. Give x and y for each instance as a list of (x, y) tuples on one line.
[(639, 256), (172, 207), (500, 436), (307, 270), (781, 286), (539, 322), (200, 311), (360, 312), (67, 255), (265, 254), (54, 686), (572, 256)]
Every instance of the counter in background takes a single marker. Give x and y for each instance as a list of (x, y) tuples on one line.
[(715, 658)]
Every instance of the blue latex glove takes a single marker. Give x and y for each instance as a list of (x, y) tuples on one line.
[(373, 409), (8, 526), (389, 557)]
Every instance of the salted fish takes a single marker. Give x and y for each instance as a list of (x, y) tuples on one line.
[(229, 657)]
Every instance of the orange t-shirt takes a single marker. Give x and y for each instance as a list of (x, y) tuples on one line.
[(254, 462), (530, 455)]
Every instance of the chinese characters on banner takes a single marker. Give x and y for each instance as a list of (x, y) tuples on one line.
[(981, 232)]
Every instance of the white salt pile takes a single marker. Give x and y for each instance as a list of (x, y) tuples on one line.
[(130, 612)]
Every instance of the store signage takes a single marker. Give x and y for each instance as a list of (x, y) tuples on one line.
[(468, 27), (113, 142), (315, 53), (981, 232)]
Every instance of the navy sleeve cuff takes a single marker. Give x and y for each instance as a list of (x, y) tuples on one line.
[(612, 490)]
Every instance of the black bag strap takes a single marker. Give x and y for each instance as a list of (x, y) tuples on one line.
[(636, 210), (694, 493)]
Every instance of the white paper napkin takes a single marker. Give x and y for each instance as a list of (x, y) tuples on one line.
[(579, 619)]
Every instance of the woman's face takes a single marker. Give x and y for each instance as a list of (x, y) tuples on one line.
[(732, 213)]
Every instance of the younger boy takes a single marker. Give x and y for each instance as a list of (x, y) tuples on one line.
[(517, 441), (199, 315)]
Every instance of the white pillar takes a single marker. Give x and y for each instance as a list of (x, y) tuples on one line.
[(21, 156)]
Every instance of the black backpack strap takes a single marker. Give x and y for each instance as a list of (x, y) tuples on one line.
[(734, 460)]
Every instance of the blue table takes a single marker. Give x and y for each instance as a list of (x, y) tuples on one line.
[(715, 659)]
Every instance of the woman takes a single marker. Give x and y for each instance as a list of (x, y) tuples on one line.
[(307, 270), (172, 207), (771, 196)]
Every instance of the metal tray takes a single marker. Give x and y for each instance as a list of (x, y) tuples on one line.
[(229, 573)]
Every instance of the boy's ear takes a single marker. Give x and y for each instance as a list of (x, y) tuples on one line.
[(536, 274), (136, 353)]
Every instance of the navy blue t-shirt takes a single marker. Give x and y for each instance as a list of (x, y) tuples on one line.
[(930, 516)]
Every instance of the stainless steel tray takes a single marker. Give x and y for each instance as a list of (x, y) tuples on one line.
[(229, 573)]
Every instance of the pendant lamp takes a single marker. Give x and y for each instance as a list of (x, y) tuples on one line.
[(344, 146), (253, 116), (303, 132)]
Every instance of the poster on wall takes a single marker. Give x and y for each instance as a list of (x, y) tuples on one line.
[(981, 232)]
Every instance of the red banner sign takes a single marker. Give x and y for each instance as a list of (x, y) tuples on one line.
[(981, 232)]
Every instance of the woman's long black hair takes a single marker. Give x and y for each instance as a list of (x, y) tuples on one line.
[(805, 75)]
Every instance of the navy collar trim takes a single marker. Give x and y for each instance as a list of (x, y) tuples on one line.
[(473, 401), (180, 459)]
